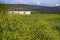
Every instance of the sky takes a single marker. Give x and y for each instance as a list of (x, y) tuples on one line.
[(34, 2)]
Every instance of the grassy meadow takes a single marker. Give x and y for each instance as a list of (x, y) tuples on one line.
[(30, 27)]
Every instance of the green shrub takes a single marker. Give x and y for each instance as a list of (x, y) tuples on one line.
[(3, 9), (23, 27)]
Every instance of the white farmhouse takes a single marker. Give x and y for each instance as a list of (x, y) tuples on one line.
[(19, 9), (20, 12)]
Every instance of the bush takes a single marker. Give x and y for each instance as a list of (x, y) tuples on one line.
[(3, 9), (17, 27)]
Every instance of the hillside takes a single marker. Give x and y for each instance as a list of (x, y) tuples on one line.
[(34, 8)]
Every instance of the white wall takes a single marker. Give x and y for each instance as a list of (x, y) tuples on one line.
[(20, 12)]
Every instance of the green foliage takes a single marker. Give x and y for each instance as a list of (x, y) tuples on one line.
[(27, 27), (3, 8)]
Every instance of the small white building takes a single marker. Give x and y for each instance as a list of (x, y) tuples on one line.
[(20, 12), (18, 9)]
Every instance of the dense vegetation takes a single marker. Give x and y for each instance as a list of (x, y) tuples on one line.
[(30, 27), (3, 8)]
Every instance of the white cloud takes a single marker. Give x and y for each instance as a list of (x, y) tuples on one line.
[(37, 3), (57, 4)]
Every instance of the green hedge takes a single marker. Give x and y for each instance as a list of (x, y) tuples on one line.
[(26, 27)]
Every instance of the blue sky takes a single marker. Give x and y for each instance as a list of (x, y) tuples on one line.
[(34, 2)]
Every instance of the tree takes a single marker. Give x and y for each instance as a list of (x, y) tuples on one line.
[(3, 8)]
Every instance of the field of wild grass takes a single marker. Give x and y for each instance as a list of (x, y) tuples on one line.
[(30, 27)]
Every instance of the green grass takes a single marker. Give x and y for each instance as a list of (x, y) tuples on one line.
[(30, 27)]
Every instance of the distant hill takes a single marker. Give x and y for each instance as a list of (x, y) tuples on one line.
[(18, 7)]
